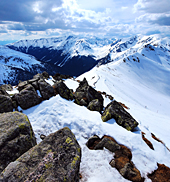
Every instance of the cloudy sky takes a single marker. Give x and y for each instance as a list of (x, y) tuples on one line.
[(31, 19)]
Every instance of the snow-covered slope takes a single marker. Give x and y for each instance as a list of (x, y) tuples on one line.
[(15, 65), (139, 78)]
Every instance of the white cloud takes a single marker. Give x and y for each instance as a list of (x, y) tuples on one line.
[(152, 6), (53, 17)]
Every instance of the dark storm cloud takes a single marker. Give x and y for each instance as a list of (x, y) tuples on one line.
[(19, 10), (23, 11), (163, 21)]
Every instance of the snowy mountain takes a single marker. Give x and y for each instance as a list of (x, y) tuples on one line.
[(143, 86), (74, 55), (136, 73), (15, 66)]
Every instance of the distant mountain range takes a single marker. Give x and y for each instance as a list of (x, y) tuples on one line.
[(74, 55)]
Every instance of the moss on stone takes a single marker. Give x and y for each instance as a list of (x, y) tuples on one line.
[(22, 125), (48, 165), (73, 164), (69, 141), (106, 116)]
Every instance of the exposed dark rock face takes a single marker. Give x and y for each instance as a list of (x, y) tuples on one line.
[(27, 98), (16, 137), (46, 89), (85, 94), (61, 89), (122, 117), (6, 104), (56, 158), (122, 158)]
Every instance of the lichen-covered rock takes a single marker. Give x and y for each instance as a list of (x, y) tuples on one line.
[(56, 158), (6, 104), (27, 98), (87, 93), (122, 117), (95, 105), (46, 89), (61, 88), (16, 137)]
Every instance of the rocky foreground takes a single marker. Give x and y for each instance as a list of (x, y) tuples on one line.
[(58, 156)]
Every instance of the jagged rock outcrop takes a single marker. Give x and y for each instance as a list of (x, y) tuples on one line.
[(46, 89), (6, 104), (61, 89), (122, 156), (56, 158), (16, 137), (85, 94), (122, 117), (27, 98)]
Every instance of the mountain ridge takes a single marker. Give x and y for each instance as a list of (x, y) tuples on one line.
[(74, 55)]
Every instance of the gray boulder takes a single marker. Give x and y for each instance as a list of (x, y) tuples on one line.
[(16, 137), (61, 89), (27, 98), (7, 87), (3, 92), (56, 158), (122, 117), (6, 104), (46, 89)]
